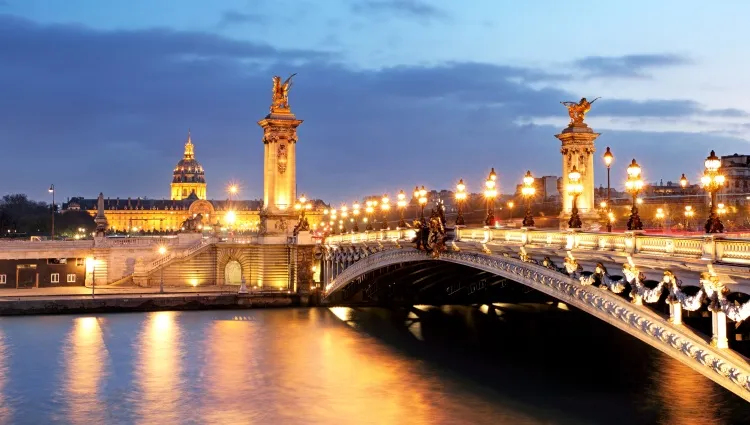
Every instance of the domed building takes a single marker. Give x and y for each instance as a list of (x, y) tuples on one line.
[(188, 177)]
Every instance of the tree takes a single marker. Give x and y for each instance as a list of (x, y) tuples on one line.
[(21, 215), (68, 223)]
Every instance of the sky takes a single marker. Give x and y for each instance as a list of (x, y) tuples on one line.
[(98, 95)]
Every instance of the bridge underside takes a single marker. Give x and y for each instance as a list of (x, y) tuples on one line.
[(435, 283)]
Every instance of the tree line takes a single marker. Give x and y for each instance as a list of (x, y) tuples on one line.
[(22, 217)]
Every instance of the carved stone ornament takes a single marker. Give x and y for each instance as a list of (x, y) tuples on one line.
[(281, 158)]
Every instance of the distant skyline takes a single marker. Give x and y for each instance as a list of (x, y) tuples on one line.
[(98, 96)]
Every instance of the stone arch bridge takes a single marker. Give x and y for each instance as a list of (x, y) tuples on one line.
[(655, 288)]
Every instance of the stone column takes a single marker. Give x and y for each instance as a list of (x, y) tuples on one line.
[(719, 328), (578, 150), (675, 312)]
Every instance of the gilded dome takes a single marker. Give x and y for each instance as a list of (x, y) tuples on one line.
[(188, 170)]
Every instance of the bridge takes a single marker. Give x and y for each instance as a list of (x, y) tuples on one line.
[(648, 286), (675, 293)]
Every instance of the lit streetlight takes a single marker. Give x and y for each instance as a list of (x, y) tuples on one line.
[(712, 180), (52, 191), (355, 214), (385, 205), (460, 199), (660, 217), (574, 189), (689, 213), (401, 204), (490, 192), (162, 252), (369, 209), (608, 158), (421, 195), (633, 185), (528, 191)]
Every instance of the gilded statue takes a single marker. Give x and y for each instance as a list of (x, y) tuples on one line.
[(578, 111), (281, 92)]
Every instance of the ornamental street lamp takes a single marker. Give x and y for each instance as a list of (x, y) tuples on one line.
[(301, 206), (721, 210), (369, 208), (510, 204), (422, 199), (712, 181), (401, 204), (528, 191), (574, 189), (162, 252), (683, 181), (460, 199), (608, 158), (344, 215), (355, 213), (633, 185), (52, 191), (490, 192), (689, 213), (385, 205), (660, 217)]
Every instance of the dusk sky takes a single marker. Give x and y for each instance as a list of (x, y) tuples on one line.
[(98, 95)]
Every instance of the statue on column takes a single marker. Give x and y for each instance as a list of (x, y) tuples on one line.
[(578, 110), (100, 219), (280, 99)]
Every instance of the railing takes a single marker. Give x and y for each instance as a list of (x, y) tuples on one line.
[(146, 241), (714, 247), (176, 255), (40, 245)]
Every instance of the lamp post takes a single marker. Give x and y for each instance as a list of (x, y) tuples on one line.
[(355, 213), (369, 208), (385, 205), (689, 213), (401, 204), (460, 199), (633, 185), (162, 252), (344, 216), (528, 191), (660, 217), (574, 189), (712, 180), (52, 191), (608, 158), (422, 192), (490, 192), (683, 182), (510, 204)]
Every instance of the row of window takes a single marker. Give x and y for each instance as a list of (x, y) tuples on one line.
[(53, 278)]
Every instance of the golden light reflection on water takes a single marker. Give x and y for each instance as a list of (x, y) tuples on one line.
[(687, 398), (86, 364), (159, 369), (230, 378)]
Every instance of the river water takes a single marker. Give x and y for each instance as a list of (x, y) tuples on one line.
[(448, 365)]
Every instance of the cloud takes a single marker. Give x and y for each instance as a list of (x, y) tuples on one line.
[(108, 111), (410, 9), (628, 66), (230, 18)]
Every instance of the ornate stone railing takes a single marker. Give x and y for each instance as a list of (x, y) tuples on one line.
[(372, 236), (43, 245), (139, 241)]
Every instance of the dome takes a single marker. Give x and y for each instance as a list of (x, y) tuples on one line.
[(188, 170)]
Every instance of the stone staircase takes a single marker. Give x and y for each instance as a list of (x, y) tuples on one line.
[(144, 269)]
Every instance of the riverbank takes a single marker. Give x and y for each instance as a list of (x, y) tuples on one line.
[(136, 300)]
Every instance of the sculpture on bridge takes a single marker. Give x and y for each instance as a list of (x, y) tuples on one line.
[(578, 111), (194, 224), (431, 236), (280, 99)]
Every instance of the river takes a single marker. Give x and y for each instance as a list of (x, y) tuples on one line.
[(449, 365)]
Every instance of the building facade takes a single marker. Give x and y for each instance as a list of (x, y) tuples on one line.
[(736, 189), (188, 200)]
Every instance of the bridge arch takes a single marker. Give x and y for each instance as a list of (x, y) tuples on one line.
[(694, 350)]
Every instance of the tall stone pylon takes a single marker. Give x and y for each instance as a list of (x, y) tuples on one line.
[(279, 162), (100, 220), (578, 151)]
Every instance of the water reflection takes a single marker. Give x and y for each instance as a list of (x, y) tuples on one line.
[(86, 364), (158, 370), (5, 408), (686, 398)]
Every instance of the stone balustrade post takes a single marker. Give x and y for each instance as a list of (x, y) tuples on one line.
[(630, 242), (524, 236), (457, 237), (719, 329), (675, 312), (488, 234), (571, 240), (708, 251)]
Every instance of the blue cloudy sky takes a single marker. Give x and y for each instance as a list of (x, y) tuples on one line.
[(97, 95)]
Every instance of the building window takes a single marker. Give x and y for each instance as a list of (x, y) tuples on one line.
[(79, 262), (54, 278), (71, 278), (3, 279)]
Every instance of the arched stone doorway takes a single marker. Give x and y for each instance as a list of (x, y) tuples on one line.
[(233, 273)]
